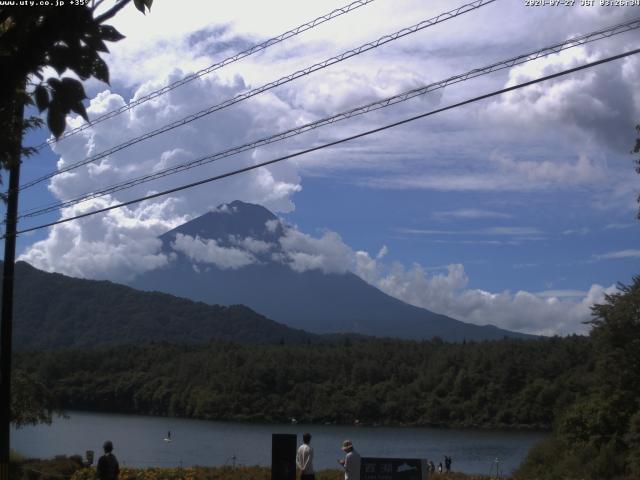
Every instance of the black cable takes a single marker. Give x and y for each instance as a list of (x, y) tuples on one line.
[(193, 76), (268, 86), (336, 142), (362, 109)]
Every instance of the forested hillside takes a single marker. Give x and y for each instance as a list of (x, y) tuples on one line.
[(510, 383), (55, 311), (598, 437)]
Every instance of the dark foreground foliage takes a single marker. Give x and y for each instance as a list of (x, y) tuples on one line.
[(60, 467), (71, 468), (598, 436)]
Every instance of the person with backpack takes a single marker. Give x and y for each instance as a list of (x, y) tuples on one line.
[(108, 467)]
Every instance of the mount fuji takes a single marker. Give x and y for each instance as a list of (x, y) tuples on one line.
[(241, 253)]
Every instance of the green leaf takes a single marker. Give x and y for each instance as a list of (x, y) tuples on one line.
[(56, 119), (110, 34), (100, 70), (67, 95), (73, 89), (54, 83), (80, 110), (59, 58), (139, 5), (42, 97), (83, 66), (96, 43)]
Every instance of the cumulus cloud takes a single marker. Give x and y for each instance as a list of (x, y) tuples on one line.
[(114, 246), (210, 252), (252, 245), (303, 252), (591, 104), (546, 313), (127, 239)]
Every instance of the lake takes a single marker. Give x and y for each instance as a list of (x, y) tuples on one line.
[(139, 441)]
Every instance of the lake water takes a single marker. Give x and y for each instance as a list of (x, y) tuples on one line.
[(139, 441)]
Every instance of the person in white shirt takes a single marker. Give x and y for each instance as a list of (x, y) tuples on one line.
[(304, 459), (351, 462)]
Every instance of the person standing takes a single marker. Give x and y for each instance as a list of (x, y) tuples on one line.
[(447, 464), (304, 459), (351, 462), (108, 467)]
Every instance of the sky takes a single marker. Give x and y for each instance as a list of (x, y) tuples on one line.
[(518, 210)]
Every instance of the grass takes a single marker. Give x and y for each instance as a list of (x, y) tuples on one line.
[(71, 468), (58, 468), (228, 473)]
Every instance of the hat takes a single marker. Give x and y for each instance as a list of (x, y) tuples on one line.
[(346, 445)]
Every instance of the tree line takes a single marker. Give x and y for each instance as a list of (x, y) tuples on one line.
[(508, 383)]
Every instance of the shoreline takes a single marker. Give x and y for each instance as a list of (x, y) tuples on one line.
[(252, 421)]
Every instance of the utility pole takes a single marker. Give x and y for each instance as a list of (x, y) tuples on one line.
[(6, 319)]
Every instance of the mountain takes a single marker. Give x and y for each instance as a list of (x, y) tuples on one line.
[(241, 253), (53, 311)]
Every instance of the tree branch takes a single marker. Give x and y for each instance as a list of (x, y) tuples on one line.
[(112, 11), (96, 5)]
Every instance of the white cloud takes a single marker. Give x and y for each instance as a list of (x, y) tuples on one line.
[(561, 293), (576, 231), (629, 253), (590, 105), (501, 173), (115, 246), (470, 213), (547, 313), (253, 245), (208, 251), (492, 231), (619, 226), (129, 238), (327, 253)]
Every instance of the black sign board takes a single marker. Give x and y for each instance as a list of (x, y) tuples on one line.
[(283, 456), (392, 469)]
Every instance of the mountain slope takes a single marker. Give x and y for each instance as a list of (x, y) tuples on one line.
[(311, 299), (53, 311)]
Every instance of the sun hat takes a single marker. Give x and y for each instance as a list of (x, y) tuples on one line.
[(346, 445)]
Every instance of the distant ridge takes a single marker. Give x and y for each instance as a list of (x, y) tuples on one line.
[(53, 311), (311, 300)]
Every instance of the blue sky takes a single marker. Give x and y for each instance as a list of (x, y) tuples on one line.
[(518, 210), (562, 253)]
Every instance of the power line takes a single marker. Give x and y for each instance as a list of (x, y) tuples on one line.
[(518, 60), (330, 144), (211, 68), (244, 96)]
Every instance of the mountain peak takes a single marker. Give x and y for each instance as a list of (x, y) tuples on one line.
[(236, 219), (241, 253)]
